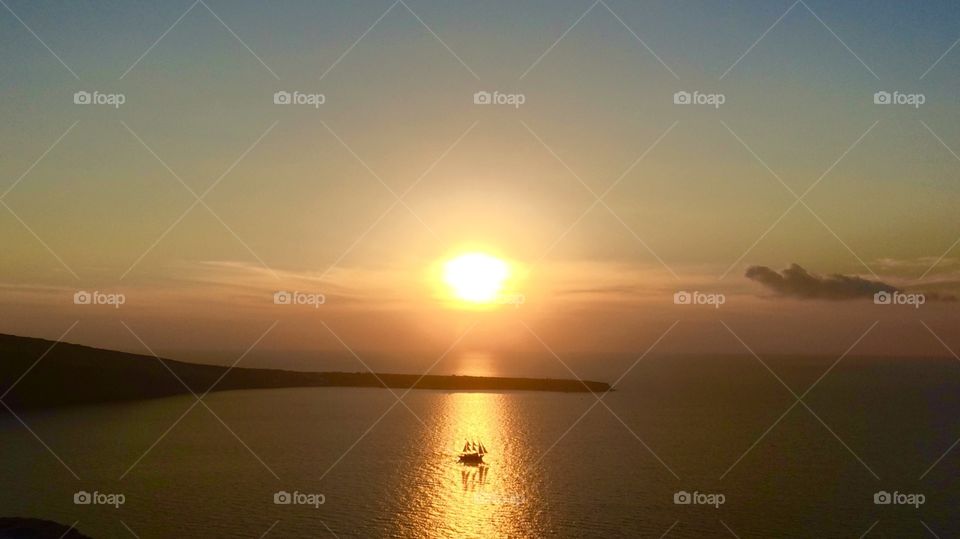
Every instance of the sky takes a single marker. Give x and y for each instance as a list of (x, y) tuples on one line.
[(360, 197)]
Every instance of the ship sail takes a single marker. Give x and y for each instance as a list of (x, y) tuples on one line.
[(473, 452)]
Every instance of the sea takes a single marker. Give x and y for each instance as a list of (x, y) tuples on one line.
[(725, 446)]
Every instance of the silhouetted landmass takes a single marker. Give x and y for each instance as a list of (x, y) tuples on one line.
[(35, 528), (72, 374)]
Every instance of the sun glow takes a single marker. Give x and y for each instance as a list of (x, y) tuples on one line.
[(476, 277)]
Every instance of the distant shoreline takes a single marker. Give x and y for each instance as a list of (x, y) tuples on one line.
[(72, 374), (463, 383)]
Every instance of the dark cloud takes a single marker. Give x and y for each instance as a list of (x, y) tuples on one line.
[(796, 282)]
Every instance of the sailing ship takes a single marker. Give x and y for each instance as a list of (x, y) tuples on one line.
[(473, 453)]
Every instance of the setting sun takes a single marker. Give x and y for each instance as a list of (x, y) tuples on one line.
[(475, 277)]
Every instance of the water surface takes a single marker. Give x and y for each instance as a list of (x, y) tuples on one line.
[(678, 424)]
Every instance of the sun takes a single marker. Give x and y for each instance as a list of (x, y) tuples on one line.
[(476, 277)]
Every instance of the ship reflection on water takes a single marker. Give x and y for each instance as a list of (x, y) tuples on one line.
[(473, 477)]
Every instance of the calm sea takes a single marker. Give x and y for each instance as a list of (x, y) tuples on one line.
[(754, 461)]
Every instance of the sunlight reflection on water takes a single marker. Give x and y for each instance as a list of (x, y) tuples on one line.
[(491, 499)]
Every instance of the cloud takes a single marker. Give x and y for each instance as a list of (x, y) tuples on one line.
[(913, 264), (615, 290), (796, 282)]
